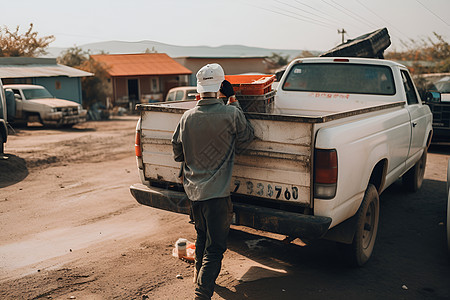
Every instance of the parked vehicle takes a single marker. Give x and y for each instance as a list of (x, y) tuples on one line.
[(182, 93), (439, 103), (3, 120), (342, 131), (448, 206), (443, 85), (33, 103)]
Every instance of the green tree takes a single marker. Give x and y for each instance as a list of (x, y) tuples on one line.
[(278, 60), (95, 88), (73, 57), (28, 44)]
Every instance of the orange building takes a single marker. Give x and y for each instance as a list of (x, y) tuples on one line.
[(142, 78)]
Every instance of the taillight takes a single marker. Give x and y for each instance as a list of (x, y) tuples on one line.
[(137, 144), (325, 173)]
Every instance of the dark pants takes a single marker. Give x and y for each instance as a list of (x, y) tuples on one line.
[(212, 222)]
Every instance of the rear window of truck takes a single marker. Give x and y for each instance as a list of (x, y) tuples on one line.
[(340, 78)]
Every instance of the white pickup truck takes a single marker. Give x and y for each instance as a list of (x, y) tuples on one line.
[(342, 131), (34, 103)]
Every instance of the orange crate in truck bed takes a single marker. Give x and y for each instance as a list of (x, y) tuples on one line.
[(251, 84)]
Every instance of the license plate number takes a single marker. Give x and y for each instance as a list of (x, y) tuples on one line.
[(265, 190)]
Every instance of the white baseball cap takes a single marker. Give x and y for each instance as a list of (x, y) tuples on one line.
[(210, 78)]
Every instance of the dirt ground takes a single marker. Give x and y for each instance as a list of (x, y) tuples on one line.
[(70, 229)]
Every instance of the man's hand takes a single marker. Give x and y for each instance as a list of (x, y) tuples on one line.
[(227, 89)]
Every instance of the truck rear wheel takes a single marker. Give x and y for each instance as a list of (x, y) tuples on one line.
[(412, 180), (2, 144), (360, 250), (448, 223)]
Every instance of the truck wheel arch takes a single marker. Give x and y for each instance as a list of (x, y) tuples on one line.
[(31, 114), (375, 169), (378, 175), (430, 135)]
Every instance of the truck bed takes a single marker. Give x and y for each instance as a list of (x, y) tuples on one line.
[(276, 166)]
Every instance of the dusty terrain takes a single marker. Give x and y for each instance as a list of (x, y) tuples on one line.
[(71, 230)]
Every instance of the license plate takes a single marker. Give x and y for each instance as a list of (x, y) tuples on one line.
[(265, 189)]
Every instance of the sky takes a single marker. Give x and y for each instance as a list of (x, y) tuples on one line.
[(274, 24)]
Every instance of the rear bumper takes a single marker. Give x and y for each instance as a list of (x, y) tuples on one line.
[(261, 218)]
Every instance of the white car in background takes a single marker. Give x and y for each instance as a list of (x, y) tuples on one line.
[(34, 103), (182, 93)]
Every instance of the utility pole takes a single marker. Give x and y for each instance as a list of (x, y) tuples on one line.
[(342, 32)]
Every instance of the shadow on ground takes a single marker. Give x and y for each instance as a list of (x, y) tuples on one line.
[(410, 259), (38, 127), (13, 169)]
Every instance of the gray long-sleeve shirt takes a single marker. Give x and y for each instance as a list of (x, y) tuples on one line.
[(206, 139)]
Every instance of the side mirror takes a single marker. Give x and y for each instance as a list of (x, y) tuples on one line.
[(433, 97), (17, 97)]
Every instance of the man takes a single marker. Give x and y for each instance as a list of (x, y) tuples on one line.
[(205, 141)]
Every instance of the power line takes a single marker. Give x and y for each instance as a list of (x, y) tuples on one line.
[(292, 6), (360, 18), (432, 13), (324, 13), (314, 9), (341, 10), (384, 20), (290, 16)]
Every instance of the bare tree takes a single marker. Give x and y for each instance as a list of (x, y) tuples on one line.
[(12, 43)]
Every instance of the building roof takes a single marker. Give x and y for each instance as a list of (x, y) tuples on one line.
[(24, 67), (222, 57), (141, 64)]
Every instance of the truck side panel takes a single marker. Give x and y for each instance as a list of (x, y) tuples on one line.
[(385, 137)]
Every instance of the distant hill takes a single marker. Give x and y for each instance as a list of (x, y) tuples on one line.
[(119, 47)]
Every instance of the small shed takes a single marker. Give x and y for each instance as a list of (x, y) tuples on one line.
[(142, 78), (231, 65), (62, 81)]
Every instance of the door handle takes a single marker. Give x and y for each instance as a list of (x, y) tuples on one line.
[(414, 124)]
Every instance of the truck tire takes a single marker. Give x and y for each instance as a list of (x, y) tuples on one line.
[(412, 180), (367, 217), (448, 222), (2, 145), (448, 206)]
